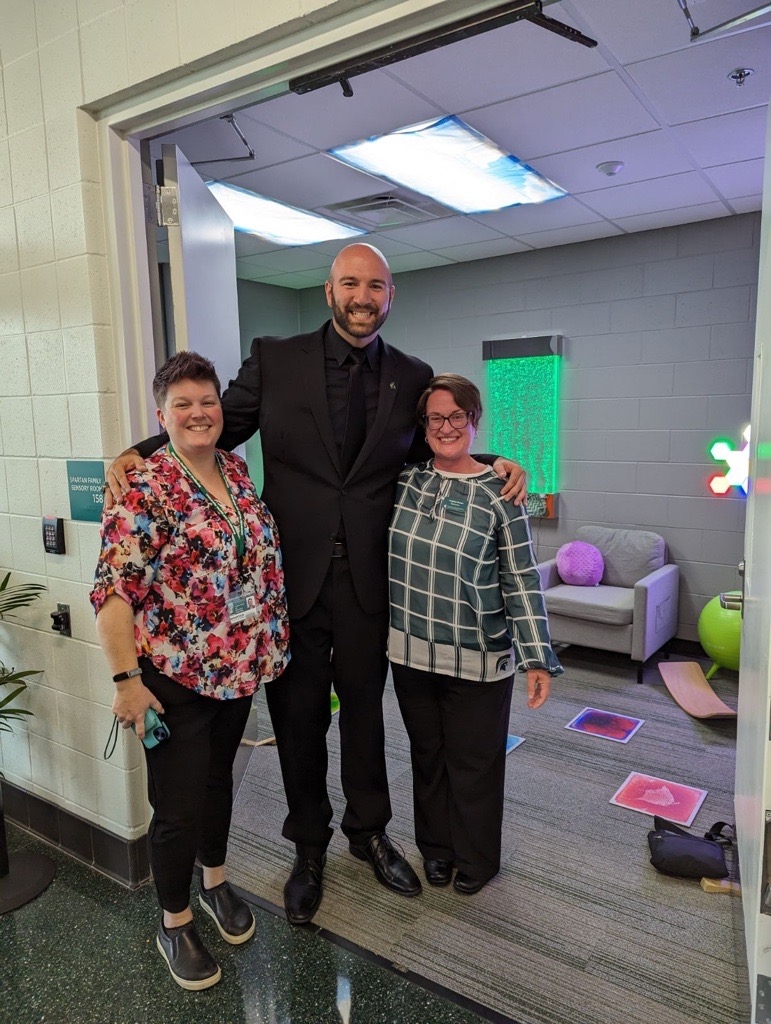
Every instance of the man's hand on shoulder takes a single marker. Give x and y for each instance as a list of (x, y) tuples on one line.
[(515, 488), (117, 480)]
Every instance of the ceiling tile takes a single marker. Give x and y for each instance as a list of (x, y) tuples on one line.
[(216, 138), (702, 88), (482, 250), (742, 134), (417, 261), (565, 117), (668, 218), (444, 232), (520, 220), (311, 181), (297, 281), (670, 193), (250, 245), (741, 179), (634, 30), (517, 59), (249, 272), (569, 235), (747, 204), (390, 246), (644, 156), (296, 260), (326, 118)]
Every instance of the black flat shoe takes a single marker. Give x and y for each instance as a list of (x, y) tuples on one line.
[(438, 872), (391, 868), (234, 919), (304, 889), (468, 885), (191, 964)]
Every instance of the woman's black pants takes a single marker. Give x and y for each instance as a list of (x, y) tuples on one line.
[(190, 784), (457, 732)]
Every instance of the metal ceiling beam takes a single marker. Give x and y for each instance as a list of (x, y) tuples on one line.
[(507, 14)]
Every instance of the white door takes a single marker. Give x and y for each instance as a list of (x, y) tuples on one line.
[(202, 262), (753, 748)]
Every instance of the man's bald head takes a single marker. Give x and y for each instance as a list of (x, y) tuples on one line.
[(359, 292)]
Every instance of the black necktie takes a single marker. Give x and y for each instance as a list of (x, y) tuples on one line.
[(356, 413)]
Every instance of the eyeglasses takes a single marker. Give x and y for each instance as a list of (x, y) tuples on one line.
[(434, 421)]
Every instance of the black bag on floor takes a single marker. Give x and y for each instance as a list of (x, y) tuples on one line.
[(676, 852)]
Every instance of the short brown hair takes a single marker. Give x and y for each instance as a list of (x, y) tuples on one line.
[(464, 391), (183, 366)]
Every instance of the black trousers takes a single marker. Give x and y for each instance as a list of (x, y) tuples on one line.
[(190, 784), (336, 643), (457, 732)]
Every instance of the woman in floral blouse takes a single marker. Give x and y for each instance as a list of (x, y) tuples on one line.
[(191, 614)]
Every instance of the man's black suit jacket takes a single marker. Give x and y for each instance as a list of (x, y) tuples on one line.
[(280, 390)]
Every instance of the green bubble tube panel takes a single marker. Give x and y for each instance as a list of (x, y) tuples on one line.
[(523, 412)]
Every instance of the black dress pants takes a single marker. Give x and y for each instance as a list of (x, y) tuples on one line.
[(190, 784), (336, 643), (457, 732)]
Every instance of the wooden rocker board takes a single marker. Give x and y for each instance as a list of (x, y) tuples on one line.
[(688, 685)]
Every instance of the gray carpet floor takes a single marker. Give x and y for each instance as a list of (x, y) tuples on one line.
[(578, 927)]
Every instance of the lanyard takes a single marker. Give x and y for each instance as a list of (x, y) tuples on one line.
[(239, 531)]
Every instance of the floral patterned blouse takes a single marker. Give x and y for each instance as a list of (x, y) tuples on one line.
[(171, 556)]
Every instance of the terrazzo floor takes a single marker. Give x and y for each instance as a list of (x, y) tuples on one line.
[(84, 952)]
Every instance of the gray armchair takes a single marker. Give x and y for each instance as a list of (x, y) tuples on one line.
[(634, 608)]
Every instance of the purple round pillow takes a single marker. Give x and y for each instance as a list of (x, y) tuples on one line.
[(580, 564)]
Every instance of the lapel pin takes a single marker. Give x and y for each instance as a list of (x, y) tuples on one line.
[(392, 385)]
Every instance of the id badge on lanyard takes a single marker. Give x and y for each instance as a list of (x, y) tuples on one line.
[(242, 604)]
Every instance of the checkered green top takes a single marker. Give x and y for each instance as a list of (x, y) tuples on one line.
[(465, 592)]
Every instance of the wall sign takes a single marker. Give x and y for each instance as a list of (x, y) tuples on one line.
[(85, 480)]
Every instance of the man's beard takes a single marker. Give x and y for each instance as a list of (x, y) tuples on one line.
[(357, 328)]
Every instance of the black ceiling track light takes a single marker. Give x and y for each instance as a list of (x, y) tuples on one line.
[(464, 28)]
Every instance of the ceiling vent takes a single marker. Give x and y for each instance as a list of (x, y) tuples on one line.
[(386, 210)]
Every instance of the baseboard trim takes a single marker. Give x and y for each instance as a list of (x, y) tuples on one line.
[(125, 860)]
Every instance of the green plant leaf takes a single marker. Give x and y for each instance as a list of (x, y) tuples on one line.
[(18, 596), (8, 678), (11, 599), (10, 697)]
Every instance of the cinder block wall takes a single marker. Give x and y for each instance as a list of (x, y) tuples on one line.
[(659, 330)]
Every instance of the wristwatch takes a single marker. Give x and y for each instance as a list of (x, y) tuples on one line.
[(127, 675)]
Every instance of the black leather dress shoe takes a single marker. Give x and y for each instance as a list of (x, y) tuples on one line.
[(303, 890), (468, 885), (391, 868), (191, 964), (234, 919), (438, 872)]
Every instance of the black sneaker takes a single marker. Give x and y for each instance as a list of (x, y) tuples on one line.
[(230, 913), (190, 962)]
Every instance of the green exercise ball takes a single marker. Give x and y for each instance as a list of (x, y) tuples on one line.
[(720, 634)]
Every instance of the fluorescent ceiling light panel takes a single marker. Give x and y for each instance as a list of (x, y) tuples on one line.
[(452, 163), (274, 221)]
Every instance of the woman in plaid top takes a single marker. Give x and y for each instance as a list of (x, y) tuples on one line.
[(466, 610)]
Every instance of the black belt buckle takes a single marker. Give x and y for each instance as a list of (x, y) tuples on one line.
[(339, 549)]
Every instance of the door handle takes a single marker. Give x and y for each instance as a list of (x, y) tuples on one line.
[(734, 601)]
